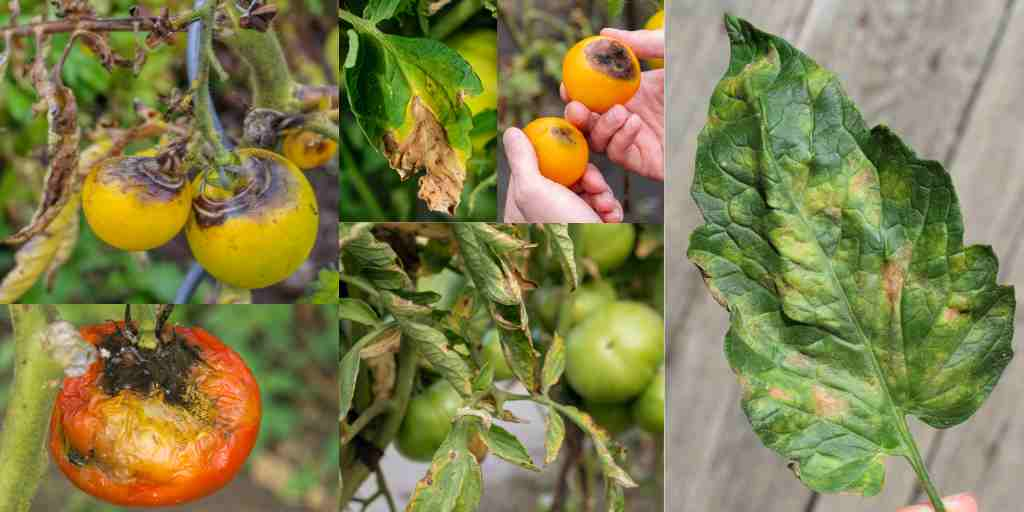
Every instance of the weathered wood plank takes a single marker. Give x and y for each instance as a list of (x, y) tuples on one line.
[(983, 456), (910, 64)]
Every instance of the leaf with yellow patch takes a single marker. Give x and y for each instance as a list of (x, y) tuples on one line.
[(839, 255)]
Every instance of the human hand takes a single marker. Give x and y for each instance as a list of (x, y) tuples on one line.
[(633, 134), (534, 198), (959, 503)]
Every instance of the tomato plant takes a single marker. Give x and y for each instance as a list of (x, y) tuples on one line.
[(128, 160), (426, 149), (161, 425), (562, 152), (435, 314)]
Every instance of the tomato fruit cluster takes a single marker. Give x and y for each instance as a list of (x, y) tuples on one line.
[(252, 234), (155, 427)]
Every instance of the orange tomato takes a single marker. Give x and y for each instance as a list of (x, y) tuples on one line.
[(138, 430), (601, 72), (562, 152)]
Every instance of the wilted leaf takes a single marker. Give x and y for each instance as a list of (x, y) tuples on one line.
[(507, 447), (839, 255), (407, 95), (554, 435), (357, 311), (602, 442)]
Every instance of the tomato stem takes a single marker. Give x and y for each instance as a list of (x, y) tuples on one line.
[(455, 18), (203, 107), (22, 441), (917, 462)]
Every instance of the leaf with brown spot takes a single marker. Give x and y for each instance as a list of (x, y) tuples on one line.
[(839, 255)]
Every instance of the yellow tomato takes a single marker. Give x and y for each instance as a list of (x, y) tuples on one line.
[(259, 233), (130, 204), (600, 72), (657, 21), (308, 150)]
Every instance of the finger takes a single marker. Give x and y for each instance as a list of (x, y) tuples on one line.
[(959, 503), (606, 206), (624, 139), (646, 44), (522, 159), (580, 116), (653, 157), (606, 126), (593, 181)]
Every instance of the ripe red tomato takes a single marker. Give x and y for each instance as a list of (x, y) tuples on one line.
[(155, 427)]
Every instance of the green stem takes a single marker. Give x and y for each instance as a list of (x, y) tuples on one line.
[(917, 462), (455, 18), (23, 439), (355, 474), (270, 78), (379, 407), (203, 103)]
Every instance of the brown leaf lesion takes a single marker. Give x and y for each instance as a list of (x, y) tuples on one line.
[(426, 148)]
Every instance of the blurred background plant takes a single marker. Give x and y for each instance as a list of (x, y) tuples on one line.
[(97, 272), (292, 351), (370, 189), (533, 37)]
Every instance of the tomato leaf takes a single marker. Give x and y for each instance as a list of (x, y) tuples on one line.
[(603, 443), (560, 244), (414, 320), (505, 445), (357, 311), (362, 254), (554, 363), (839, 254), (407, 95), (454, 480), (554, 428)]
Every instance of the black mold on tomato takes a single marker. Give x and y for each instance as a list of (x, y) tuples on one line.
[(611, 58), (164, 369)]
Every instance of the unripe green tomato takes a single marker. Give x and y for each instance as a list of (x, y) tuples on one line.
[(614, 354), (649, 409), (615, 418), (589, 298), (427, 421), (546, 301), (608, 245), (495, 356)]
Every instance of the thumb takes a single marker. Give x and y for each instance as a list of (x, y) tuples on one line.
[(522, 159), (646, 44), (959, 503)]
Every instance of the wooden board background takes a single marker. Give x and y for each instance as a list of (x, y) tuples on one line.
[(947, 76)]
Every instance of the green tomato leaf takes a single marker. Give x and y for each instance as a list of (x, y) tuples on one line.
[(554, 363), (407, 95), (603, 444), (357, 311), (454, 481), (414, 320), (364, 256), (560, 244), (505, 445), (839, 254), (554, 428)]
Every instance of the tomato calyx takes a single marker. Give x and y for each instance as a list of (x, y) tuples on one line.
[(163, 369), (611, 58), (255, 186), (263, 126)]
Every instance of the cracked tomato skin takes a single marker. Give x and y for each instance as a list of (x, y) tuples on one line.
[(137, 450)]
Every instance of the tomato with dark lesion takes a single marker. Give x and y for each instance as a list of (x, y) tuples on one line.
[(160, 426)]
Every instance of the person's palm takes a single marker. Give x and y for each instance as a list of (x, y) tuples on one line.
[(959, 503)]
